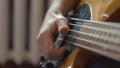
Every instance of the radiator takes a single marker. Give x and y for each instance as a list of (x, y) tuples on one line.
[(20, 21)]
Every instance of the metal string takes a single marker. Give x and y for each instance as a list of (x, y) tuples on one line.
[(97, 37), (104, 51), (115, 24), (98, 29), (104, 45)]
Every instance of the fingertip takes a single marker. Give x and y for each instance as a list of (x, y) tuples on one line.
[(63, 49), (64, 29), (63, 26)]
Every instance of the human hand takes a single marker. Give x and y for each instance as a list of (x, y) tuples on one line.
[(54, 23)]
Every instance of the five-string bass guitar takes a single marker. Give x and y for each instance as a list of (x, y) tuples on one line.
[(93, 29)]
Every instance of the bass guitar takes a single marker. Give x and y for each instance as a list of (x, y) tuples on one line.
[(94, 29)]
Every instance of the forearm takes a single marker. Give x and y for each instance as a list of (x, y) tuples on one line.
[(62, 6)]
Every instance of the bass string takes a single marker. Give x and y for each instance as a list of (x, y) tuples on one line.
[(102, 48), (112, 31), (106, 52), (105, 33), (112, 24), (95, 37), (99, 32), (96, 43)]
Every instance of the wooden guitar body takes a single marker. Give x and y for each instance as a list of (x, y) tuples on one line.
[(101, 10), (92, 33)]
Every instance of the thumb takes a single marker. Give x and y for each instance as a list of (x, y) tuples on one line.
[(62, 26)]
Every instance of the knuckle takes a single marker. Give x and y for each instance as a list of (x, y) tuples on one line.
[(38, 38), (47, 56), (40, 35), (61, 19), (53, 55), (59, 57)]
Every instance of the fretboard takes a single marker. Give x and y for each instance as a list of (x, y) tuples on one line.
[(99, 37)]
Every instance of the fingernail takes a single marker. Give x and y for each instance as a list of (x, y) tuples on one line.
[(63, 29)]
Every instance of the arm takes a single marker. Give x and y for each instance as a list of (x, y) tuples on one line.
[(54, 23)]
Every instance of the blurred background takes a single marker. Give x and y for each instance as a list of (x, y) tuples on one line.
[(20, 21)]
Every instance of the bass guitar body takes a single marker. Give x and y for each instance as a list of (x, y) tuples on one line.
[(95, 10), (94, 31)]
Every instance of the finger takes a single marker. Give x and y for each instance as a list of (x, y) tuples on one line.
[(62, 26), (57, 53), (50, 52), (45, 41), (47, 47)]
